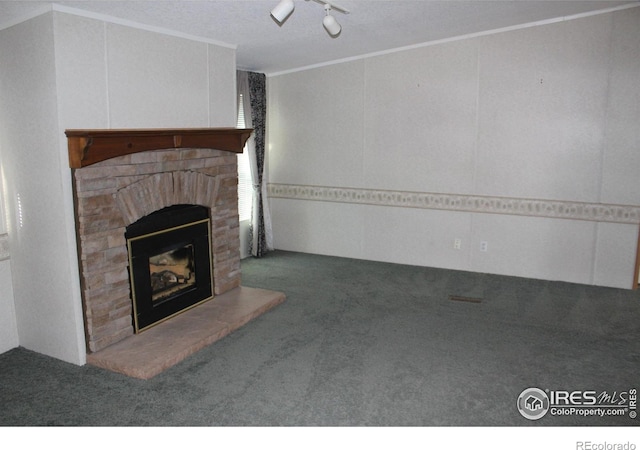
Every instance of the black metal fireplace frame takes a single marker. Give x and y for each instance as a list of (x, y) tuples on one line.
[(169, 229)]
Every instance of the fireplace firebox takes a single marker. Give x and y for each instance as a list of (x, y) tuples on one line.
[(169, 263)]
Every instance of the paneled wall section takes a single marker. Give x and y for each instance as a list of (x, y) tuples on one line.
[(535, 129)]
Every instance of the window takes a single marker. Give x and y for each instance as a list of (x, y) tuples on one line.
[(245, 185)]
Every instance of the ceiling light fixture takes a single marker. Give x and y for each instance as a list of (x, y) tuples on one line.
[(285, 8), (330, 23), (282, 11)]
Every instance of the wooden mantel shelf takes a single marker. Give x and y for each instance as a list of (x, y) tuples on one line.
[(88, 147)]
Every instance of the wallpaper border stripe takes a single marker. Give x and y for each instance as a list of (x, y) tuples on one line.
[(594, 212)]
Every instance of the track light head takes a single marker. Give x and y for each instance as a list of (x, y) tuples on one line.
[(330, 23), (282, 11)]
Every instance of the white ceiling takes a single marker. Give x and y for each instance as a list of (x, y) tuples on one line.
[(372, 25)]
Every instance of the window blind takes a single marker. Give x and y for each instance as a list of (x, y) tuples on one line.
[(245, 184)]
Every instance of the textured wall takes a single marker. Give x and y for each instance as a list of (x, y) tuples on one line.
[(527, 139), (47, 314)]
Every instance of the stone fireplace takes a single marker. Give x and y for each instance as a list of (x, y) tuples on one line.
[(121, 177)]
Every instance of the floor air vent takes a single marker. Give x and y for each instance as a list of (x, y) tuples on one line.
[(457, 298)]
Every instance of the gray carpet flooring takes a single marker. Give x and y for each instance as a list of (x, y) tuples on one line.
[(361, 343)]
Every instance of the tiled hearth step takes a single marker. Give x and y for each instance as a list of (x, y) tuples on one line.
[(149, 353)]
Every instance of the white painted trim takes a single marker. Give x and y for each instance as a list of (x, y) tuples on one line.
[(35, 13), (558, 209), (457, 38), (140, 26)]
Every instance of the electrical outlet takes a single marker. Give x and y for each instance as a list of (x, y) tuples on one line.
[(457, 244), (483, 246)]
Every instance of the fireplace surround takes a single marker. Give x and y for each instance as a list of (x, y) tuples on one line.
[(121, 176)]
